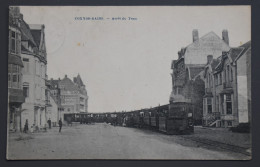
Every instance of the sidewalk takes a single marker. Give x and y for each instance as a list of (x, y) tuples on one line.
[(223, 135)]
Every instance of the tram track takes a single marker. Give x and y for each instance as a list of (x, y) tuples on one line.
[(223, 146)]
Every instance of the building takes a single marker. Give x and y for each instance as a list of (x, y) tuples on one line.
[(73, 94), (227, 99), (54, 110), (187, 80), (15, 66), (34, 58), (243, 79)]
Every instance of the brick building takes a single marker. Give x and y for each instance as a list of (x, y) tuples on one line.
[(187, 79)]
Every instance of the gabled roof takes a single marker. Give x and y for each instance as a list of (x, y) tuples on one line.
[(36, 30), (207, 36), (26, 33), (68, 84), (235, 52), (245, 47), (213, 64), (194, 71)]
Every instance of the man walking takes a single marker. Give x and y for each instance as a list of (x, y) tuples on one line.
[(60, 125), (49, 123)]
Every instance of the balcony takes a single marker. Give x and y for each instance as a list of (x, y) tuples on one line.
[(16, 95)]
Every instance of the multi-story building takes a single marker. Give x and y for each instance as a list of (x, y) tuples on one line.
[(227, 88), (187, 80), (15, 66), (34, 58), (73, 94)]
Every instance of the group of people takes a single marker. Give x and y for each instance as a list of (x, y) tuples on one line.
[(26, 125)]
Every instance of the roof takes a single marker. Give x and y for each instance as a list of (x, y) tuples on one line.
[(214, 64), (26, 33), (78, 80), (68, 84), (37, 36), (194, 71), (245, 47), (234, 52)]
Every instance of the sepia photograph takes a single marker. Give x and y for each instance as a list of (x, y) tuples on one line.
[(129, 83)]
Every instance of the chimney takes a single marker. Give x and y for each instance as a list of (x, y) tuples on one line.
[(195, 35), (66, 76), (59, 79), (225, 36), (209, 58)]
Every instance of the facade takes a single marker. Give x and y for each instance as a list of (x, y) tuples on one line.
[(74, 98), (187, 79), (15, 66), (243, 62), (55, 108), (227, 91), (34, 58)]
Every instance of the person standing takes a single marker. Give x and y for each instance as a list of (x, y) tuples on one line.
[(26, 126), (49, 123), (60, 125)]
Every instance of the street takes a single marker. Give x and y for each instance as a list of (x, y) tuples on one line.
[(103, 141)]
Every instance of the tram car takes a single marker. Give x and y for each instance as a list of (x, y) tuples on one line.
[(146, 118), (180, 118), (137, 119)]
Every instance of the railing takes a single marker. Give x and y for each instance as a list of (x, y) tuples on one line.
[(210, 118)]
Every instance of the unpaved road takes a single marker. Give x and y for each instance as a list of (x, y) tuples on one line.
[(103, 141)]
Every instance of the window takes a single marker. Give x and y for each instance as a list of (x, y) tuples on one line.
[(228, 104), (14, 76), (26, 65), (13, 43), (209, 105), (25, 89), (216, 79)]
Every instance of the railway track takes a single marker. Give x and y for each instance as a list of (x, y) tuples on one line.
[(216, 144)]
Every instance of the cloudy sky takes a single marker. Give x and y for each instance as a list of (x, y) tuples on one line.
[(125, 64)]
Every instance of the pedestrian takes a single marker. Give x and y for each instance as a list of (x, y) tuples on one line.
[(26, 126), (60, 125), (49, 122)]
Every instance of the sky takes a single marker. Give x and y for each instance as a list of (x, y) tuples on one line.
[(126, 64)]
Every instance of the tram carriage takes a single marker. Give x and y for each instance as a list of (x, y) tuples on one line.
[(173, 118), (180, 118), (146, 118), (154, 121)]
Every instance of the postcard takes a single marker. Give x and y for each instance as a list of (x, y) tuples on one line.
[(129, 82)]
